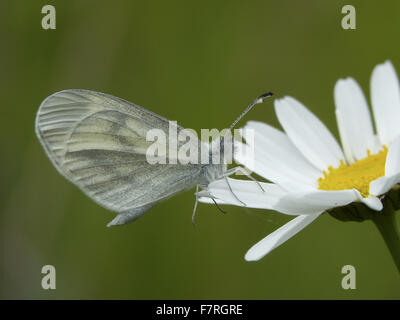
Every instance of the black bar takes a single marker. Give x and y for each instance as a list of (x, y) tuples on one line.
[(200, 309)]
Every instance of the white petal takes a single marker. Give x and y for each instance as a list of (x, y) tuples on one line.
[(314, 202), (308, 133), (272, 155), (392, 171), (344, 137), (210, 200), (383, 184), (373, 203), (385, 98), (392, 165), (279, 236), (270, 169), (354, 119), (293, 186), (248, 192)]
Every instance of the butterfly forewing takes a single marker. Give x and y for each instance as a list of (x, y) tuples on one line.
[(98, 142)]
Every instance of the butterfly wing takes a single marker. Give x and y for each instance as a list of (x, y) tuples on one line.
[(98, 142)]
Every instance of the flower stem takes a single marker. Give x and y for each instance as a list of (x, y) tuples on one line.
[(389, 228)]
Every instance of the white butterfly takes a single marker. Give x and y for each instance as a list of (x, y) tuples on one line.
[(98, 142)]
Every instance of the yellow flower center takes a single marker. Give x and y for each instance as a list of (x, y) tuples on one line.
[(357, 175)]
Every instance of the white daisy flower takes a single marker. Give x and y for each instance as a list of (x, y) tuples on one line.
[(309, 172)]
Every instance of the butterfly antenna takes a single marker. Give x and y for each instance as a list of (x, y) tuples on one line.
[(260, 99)]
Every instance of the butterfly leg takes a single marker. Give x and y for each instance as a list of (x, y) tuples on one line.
[(219, 208), (195, 205), (230, 189), (197, 198), (243, 170)]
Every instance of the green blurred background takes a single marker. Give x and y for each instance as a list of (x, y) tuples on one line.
[(201, 63)]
